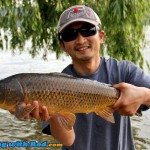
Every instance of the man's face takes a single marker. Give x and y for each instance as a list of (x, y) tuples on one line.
[(83, 48)]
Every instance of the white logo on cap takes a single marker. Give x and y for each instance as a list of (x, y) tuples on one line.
[(75, 14)]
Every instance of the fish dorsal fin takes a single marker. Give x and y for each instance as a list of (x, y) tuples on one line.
[(22, 111), (66, 120), (57, 74), (106, 114)]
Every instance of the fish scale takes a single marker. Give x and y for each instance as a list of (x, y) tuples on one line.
[(32, 90), (63, 95)]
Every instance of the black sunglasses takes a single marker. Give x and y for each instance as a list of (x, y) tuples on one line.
[(71, 34)]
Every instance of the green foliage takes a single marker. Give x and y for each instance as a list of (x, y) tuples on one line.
[(122, 20), (124, 29)]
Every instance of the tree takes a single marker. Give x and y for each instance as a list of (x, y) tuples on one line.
[(122, 20)]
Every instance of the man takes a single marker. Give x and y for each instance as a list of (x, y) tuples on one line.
[(80, 36)]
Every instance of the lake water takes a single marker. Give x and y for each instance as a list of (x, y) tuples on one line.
[(14, 132)]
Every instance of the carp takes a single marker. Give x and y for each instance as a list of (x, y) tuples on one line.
[(64, 95)]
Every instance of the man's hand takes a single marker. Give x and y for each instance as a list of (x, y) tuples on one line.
[(131, 98), (59, 133), (38, 113)]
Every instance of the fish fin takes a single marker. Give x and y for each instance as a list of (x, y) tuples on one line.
[(61, 75), (22, 111), (66, 119), (106, 114)]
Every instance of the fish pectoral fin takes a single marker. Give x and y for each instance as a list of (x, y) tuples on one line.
[(22, 110), (66, 120), (107, 114)]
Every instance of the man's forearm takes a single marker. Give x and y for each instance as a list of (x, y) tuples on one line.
[(61, 134)]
